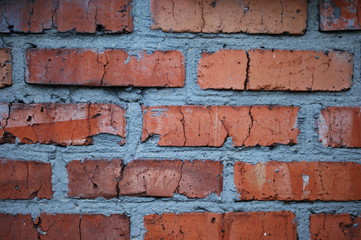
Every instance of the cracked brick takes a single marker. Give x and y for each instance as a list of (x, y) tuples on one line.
[(298, 181), (211, 125), (94, 178), (277, 70), (5, 67), (340, 127), (25, 179), (75, 226), (231, 16), (336, 15), (163, 178), (335, 226), (112, 67), (221, 226), (60, 124), (26, 16), (19, 227)]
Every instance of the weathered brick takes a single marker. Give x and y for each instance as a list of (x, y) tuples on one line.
[(225, 69), (298, 181), (245, 225), (112, 67), (75, 226), (25, 180), (207, 16), (27, 16), (94, 178), (299, 70), (335, 226), (5, 67), (19, 227), (61, 124), (163, 178), (340, 127), (338, 15), (211, 125)]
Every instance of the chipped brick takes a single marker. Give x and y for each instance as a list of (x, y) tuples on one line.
[(5, 67), (60, 124), (25, 180), (211, 125), (104, 69), (340, 127), (163, 178), (298, 181), (335, 226), (26, 16), (231, 16), (338, 15), (227, 226), (94, 178), (19, 227)]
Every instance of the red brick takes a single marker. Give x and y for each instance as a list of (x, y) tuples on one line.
[(340, 127), (335, 226), (225, 69), (298, 181), (25, 180), (207, 16), (19, 227), (26, 16), (109, 68), (299, 70), (163, 178), (94, 178), (74, 226), (338, 15), (211, 125), (61, 124), (5, 67), (247, 226)]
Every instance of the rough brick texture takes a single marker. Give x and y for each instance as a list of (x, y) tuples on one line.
[(338, 15), (19, 227), (335, 226), (5, 67), (27, 16), (163, 178), (298, 181), (109, 68), (94, 178), (64, 226), (25, 180), (340, 127), (61, 124), (207, 16), (211, 125), (247, 226), (285, 70)]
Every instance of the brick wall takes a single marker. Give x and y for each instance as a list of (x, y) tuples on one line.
[(164, 119)]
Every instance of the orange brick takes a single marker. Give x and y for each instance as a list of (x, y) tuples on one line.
[(19, 227), (109, 68), (94, 178), (216, 226), (111, 16), (335, 226), (338, 15), (163, 178), (211, 125), (60, 124), (298, 181), (231, 16), (340, 127)]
